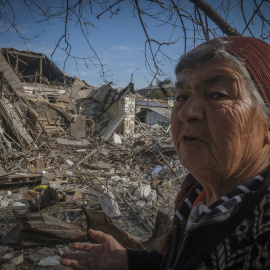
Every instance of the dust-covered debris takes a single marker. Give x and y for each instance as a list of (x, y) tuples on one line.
[(75, 157)]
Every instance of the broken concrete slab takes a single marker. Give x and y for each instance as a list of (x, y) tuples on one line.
[(78, 128), (109, 204)]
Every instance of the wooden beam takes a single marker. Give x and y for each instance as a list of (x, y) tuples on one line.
[(40, 69), (48, 117), (16, 57), (17, 63), (24, 54), (2, 81)]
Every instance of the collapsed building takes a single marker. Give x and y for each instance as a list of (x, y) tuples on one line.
[(47, 99), (93, 164)]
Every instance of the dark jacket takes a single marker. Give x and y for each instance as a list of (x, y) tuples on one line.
[(238, 239)]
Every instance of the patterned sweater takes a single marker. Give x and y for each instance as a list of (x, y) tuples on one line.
[(235, 238)]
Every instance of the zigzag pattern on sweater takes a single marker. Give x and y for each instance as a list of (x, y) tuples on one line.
[(248, 247)]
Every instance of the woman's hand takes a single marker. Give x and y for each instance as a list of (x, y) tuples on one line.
[(109, 254)]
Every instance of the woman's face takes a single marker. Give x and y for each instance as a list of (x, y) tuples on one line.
[(217, 126)]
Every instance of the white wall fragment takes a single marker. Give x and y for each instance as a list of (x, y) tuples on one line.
[(117, 138), (109, 204)]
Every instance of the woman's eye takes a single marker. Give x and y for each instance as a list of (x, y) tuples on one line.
[(181, 98), (219, 95)]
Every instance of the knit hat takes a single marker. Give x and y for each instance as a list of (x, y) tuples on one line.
[(255, 53)]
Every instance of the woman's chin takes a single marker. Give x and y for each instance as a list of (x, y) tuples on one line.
[(196, 164)]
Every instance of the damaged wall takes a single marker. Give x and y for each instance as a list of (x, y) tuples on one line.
[(127, 107)]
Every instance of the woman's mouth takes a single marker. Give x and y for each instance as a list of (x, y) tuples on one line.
[(190, 140)]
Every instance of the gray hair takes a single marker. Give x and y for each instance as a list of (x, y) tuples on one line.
[(216, 51)]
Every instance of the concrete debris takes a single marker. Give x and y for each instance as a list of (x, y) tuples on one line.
[(4, 204), (117, 138), (74, 157), (143, 191), (109, 205), (152, 196), (50, 261), (17, 204), (14, 258)]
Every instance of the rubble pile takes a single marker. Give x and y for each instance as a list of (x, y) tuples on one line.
[(77, 161), (130, 182)]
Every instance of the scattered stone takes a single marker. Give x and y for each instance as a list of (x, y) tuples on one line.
[(4, 203), (35, 257), (143, 191), (50, 261), (116, 177), (152, 196), (17, 204), (7, 266), (117, 138), (79, 171), (14, 258), (109, 204)]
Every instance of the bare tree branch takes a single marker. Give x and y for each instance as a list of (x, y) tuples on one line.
[(215, 17), (187, 21)]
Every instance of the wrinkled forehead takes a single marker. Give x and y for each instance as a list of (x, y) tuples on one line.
[(211, 71), (191, 66)]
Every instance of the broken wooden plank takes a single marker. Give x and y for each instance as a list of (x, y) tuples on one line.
[(40, 229), (12, 178), (100, 221), (10, 115), (169, 165), (11, 76), (87, 156), (114, 125), (48, 118)]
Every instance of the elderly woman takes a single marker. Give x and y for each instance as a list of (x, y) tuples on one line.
[(220, 128)]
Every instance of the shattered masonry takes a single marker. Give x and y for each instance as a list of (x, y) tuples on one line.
[(75, 156)]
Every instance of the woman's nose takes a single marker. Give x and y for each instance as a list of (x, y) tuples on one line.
[(192, 110)]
